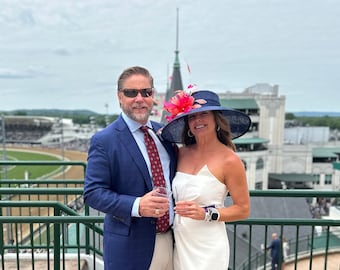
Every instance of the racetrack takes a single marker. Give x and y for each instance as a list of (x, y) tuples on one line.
[(71, 172), (75, 172)]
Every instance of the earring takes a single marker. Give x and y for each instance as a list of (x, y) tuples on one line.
[(190, 133), (218, 128)]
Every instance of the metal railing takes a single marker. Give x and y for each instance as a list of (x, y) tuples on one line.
[(44, 222), (38, 228), (51, 238), (300, 246)]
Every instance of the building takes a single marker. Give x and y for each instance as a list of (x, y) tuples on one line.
[(273, 158), (277, 155)]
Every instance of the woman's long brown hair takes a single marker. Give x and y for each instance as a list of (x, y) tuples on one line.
[(223, 132)]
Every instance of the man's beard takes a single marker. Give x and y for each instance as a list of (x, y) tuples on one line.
[(138, 117)]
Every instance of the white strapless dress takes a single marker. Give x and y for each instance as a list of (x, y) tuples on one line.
[(200, 245)]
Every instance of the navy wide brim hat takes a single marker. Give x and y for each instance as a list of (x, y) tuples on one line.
[(239, 122)]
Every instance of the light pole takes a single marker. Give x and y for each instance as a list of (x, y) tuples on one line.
[(107, 120), (3, 140)]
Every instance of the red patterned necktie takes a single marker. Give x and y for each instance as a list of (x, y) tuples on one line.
[(157, 174)]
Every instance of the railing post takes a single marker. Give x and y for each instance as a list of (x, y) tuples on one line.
[(265, 248), (234, 244), (311, 243), (249, 247), (87, 232), (2, 252), (56, 248), (296, 246), (327, 246)]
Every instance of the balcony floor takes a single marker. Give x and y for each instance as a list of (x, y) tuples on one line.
[(333, 262), (27, 265)]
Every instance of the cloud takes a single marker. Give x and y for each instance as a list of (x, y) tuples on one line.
[(14, 74), (7, 73), (62, 52), (26, 17), (77, 49)]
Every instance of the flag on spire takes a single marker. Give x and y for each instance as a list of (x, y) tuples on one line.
[(189, 70)]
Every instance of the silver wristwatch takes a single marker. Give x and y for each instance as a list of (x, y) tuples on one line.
[(211, 214)]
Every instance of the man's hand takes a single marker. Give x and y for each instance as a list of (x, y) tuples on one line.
[(151, 205)]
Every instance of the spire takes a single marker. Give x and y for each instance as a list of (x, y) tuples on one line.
[(176, 78)]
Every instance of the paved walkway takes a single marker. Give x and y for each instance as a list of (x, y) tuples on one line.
[(26, 264), (333, 263)]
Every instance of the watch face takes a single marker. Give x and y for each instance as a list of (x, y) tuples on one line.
[(214, 216)]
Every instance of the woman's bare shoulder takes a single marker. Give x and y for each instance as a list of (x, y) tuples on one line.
[(231, 158)]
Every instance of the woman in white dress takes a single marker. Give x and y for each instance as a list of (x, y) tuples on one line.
[(285, 251), (208, 168)]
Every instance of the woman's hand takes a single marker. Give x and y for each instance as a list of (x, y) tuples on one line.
[(190, 209)]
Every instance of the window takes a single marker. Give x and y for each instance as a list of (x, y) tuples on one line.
[(259, 185), (259, 164), (328, 179), (316, 178)]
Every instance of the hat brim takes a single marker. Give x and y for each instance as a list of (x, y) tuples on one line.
[(239, 123)]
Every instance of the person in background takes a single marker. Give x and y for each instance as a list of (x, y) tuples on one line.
[(208, 168), (119, 181), (285, 250), (275, 251)]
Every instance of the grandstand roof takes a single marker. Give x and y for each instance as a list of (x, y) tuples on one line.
[(242, 103), (324, 152), (28, 120), (250, 140)]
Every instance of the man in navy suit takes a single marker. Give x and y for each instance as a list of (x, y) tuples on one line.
[(118, 181), (275, 248)]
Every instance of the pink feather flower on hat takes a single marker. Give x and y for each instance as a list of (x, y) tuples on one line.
[(181, 103)]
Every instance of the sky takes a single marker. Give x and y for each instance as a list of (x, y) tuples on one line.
[(68, 54)]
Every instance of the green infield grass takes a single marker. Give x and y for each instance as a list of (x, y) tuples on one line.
[(34, 172)]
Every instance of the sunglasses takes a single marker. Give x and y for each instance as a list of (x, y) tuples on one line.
[(131, 93)]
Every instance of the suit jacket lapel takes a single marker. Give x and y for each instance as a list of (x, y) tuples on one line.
[(127, 139)]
